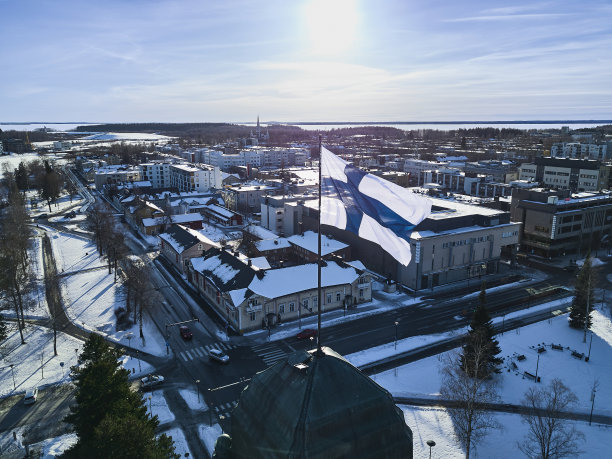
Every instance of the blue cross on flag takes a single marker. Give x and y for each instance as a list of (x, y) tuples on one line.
[(369, 206)]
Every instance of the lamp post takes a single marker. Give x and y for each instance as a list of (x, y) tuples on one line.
[(431, 444), (13, 373), (197, 381), (396, 324), (592, 404), (150, 408), (590, 344), (537, 366), (138, 358)]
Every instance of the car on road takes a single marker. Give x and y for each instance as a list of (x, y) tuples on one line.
[(41, 216), (218, 356), (150, 381), (185, 332), (30, 396), (306, 333)]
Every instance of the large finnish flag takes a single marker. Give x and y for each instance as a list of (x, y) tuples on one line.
[(369, 206)]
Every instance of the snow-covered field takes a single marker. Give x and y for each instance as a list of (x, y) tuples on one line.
[(422, 379), (91, 297), (157, 406), (34, 364)]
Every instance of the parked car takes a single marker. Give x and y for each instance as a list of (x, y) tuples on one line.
[(30, 396), (150, 381), (41, 216), (185, 332), (306, 333), (218, 356)]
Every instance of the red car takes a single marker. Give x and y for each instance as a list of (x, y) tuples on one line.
[(306, 333), (185, 332)]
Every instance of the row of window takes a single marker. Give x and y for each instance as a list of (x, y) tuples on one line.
[(472, 240), (509, 234), (563, 174)]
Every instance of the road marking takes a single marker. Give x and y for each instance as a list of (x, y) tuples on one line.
[(196, 350), (189, 355), (182, 354)]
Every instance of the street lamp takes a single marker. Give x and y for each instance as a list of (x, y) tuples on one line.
[(197, 381), (150, 408), (590, 344), (13, 373), (138, 358), (431, 444), (396, 324), (537, 366), (592, 404)]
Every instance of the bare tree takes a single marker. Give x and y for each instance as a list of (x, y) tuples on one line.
[(137, 285), (98, 222), (469, 396), (550, 436)]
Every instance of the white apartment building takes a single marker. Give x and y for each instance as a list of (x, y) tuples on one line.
[(186, 177), (255, 156), (416, 166), (156, 173), (579, 150)]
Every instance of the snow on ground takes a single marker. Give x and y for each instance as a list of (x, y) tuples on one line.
[(91, 297), (157, 405), (422, 379), (54, 447), (209, 434), (62, 204), (594, 262), (180, 443), (191, 398), (74, 253), (414, 342), (429, 423), (136, 367), (28, 369)]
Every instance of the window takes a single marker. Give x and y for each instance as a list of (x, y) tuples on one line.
[(252, 316), (360, 293), (305, 304), (291, 307), (338, 296), (329, 298), (281, 308)]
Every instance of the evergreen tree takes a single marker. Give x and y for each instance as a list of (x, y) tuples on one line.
[(583, 294), (481, 335), (104, 398), (128, 437)]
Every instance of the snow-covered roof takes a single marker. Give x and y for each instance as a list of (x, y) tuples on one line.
[(272, 244), (309, 241), (294, 279), (182, 238), (183, 218), (260, 232)]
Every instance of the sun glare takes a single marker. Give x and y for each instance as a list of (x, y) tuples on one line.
[(331, 24)]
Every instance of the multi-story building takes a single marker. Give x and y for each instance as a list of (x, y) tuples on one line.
[(283, 214), (248, 298), (566, 173), (556, 222), (579, 150), (457, 241), (186, 177), (497, 171), (416, 166), (156, 173), (245, 197), (116, 175)]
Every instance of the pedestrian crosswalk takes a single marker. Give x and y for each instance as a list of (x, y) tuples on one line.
[(202, 351), (225, 409), (270, 353)]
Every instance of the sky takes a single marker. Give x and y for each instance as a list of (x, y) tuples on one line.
[(304, 60)]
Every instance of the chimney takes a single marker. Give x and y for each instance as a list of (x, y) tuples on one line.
[(249, 262)]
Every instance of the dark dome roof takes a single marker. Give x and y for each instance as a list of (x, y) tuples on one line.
[(317, 405)]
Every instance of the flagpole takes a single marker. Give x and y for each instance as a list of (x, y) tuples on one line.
[(319, 259)]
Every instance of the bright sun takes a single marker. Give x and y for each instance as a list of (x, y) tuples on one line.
[(331, 24)]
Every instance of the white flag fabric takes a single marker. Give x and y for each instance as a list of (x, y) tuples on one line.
[(369, 206)]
